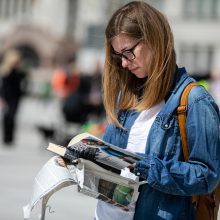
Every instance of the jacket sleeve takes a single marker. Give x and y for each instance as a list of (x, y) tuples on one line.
[(201, 173)]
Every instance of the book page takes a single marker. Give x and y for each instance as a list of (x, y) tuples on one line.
[(92, 180), (107, 155), (51, 178), (79, 137), (108, 186)]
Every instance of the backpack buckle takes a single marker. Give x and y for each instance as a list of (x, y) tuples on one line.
[(182, 109)]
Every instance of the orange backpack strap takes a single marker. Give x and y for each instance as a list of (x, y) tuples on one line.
[(181, 110), (207, 206)]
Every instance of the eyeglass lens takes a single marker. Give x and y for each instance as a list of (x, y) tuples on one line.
[(127, 54)]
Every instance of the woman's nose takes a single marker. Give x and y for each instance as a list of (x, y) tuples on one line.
[(124, 62)]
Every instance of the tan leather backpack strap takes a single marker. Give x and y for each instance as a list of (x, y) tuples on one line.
[(181, 110)]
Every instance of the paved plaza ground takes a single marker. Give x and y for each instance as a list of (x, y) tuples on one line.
[(20, 163)]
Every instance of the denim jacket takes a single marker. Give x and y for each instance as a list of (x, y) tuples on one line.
[(170, 180)]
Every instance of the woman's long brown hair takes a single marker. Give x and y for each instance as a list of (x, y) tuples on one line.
[(121, 89)]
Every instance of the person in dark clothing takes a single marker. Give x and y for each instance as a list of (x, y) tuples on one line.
[(95, 103), (85, 100), (11, 91), (74, 107)]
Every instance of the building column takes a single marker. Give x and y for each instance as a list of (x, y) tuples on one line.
[(3, 8), (216, 63)]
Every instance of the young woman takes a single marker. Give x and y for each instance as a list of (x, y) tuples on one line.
[(142, 87)]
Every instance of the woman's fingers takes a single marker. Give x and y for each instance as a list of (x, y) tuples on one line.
[(61, 161)]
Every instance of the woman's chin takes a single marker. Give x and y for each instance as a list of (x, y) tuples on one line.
[(139, 74)]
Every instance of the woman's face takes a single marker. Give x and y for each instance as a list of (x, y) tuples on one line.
[(134, 54)]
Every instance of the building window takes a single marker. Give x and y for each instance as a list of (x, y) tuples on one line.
[(197, 59), (156, 3), (201, 9), (113, 5), (71, 17), (95, 36), (14, 8)]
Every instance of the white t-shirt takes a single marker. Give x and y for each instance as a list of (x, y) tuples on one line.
[(136, 143)]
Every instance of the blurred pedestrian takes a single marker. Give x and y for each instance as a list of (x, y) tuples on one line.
[(65, 80), (12, 88), (95, 104), (72, 87)]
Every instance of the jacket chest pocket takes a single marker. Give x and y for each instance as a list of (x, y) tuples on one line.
[(164, 137)]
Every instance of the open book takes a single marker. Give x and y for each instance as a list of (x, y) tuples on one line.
[(107, 156), (98, 178)]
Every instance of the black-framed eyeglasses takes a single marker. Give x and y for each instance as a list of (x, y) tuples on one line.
[(128, 54)]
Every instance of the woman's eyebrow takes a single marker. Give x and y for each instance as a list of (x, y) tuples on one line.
[(128, 48), (122, 50)]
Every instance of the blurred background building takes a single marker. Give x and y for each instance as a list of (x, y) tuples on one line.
[(50, 32), (58, 37)]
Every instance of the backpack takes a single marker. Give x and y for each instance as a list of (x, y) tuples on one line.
[(206, 206)]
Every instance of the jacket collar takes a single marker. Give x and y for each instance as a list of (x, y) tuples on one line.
[(181, 77), (173, 100)]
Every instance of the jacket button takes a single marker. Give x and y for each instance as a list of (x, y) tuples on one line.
[(138, 174), (166, 125), (121, 118)]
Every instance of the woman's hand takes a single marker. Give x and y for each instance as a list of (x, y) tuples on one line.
[(88, 153), (61, 161), (141, 167)]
